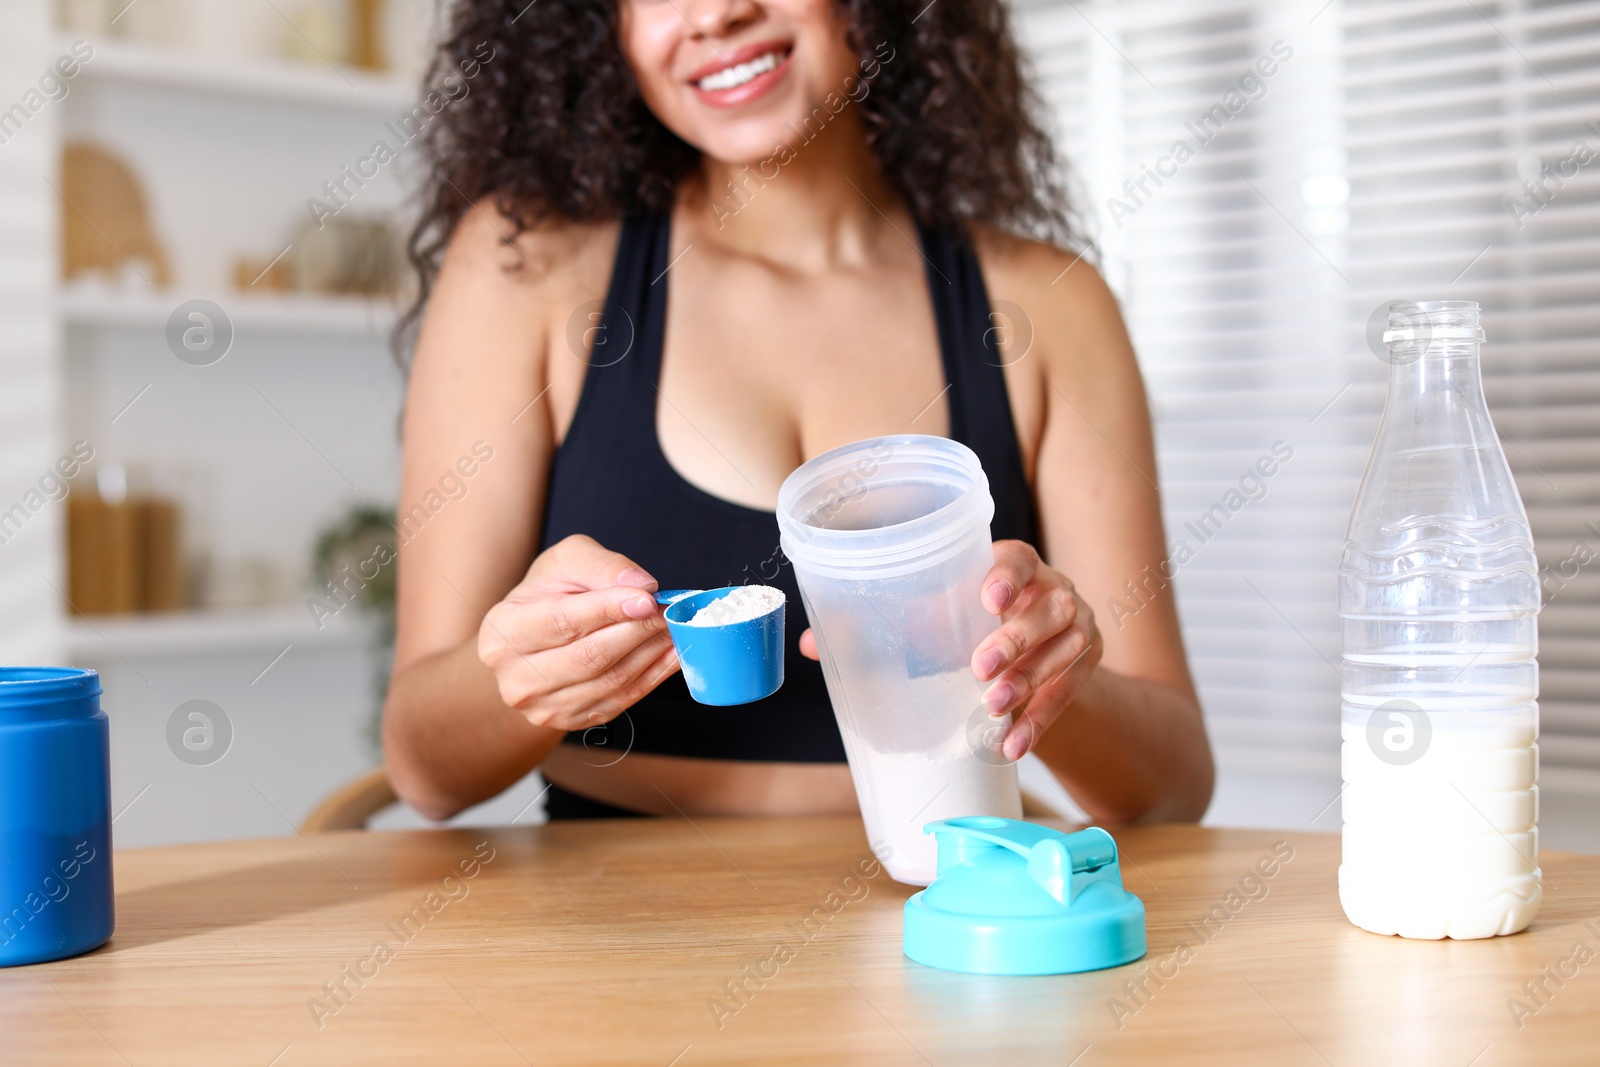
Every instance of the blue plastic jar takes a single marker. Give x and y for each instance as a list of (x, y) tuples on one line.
[(55, 815)]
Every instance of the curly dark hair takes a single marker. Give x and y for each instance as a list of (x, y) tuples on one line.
[(553, 124)]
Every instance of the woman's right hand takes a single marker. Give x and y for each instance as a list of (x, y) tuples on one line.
[(580, 639)]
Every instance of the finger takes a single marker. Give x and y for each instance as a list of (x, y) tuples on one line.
[(1048, 702), (591, 656), (549, 622), (1044, 666), (579, 562), (1015, 563), (516, 675), (808, 645), (623, 686), (571, 706), (1043, 710), (1040, 613)]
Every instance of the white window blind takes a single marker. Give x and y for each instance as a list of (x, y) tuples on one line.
[(1449, 110), (1302, 165)]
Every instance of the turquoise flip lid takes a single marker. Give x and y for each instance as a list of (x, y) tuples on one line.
[(1013, 897)]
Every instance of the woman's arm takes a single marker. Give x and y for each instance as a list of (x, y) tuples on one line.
[(497, 657), (1106, 697), (499, 653), (449, 740)]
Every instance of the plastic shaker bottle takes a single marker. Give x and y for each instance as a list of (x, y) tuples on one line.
[(889, 539)]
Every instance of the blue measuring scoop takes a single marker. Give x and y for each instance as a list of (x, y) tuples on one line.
[(735, 663)]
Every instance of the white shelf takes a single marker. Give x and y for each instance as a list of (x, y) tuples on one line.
[(186, 633), (291, 315), (276, 81)]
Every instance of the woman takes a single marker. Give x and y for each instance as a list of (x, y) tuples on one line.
[(674, 249)]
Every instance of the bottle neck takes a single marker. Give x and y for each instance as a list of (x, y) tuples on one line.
[(1433, 353), (1453, 368), (1436, 396)]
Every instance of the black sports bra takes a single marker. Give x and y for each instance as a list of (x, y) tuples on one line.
[(687, 538)]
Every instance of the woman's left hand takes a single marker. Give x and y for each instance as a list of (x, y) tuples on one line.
[(1047, 644)]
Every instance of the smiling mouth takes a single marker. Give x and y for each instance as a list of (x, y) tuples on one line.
[(741, 73)]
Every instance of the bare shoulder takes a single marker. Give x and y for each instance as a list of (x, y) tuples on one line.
[(483, 363), (503, 300), (550, 261), (1075, 320)]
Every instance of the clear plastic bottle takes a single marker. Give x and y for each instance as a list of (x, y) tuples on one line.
[(1439, 597)]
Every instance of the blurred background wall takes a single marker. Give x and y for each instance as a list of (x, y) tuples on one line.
[(199, 268)]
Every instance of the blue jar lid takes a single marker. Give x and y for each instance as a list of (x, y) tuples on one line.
[(1013, 897), (28, 693)]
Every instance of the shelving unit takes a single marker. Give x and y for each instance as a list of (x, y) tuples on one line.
[(229, 151), (190, 633), (264, 448), (122, 62), (289, 315)]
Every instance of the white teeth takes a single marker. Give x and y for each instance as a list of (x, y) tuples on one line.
[(727, 79)]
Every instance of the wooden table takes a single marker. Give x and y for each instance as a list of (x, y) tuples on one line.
[(617, 942)]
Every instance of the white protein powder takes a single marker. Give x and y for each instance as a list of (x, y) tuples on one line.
[(904, 791), (743, 604), (923, 749)]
